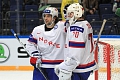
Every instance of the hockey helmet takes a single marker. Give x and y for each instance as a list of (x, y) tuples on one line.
[(77, 9), (51, 10)]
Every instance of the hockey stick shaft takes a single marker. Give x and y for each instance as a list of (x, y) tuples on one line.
[(18, 39), (26, 51), (103, 24), (101, 29), (96, 43)]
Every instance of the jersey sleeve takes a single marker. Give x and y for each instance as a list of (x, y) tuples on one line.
[(31, 44), (89, 39), (64, 25)]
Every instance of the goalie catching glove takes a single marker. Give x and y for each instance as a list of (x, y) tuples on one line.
[(64, 70)]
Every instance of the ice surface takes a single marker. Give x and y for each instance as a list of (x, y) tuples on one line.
[(15, 75), (21, 75)]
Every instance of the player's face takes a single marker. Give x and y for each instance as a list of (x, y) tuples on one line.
[(70, 14), (47, 19)]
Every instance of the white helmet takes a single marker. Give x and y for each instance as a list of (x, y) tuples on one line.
[(77, 9), (51, 10)]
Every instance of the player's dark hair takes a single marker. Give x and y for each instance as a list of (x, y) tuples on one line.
[(83, 16), (56, 19)]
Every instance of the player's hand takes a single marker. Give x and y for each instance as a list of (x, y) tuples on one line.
[(34, 58), (63, 74), (33, 61), (38, 62)]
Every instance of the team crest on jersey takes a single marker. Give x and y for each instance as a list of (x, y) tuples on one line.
[(55, 27)]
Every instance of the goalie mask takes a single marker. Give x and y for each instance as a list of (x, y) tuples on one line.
[(52, 11), (74, 11)]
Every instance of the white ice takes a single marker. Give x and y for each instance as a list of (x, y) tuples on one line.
[(21, 75)]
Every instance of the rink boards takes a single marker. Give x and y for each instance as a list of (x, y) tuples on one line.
[(14, 57)]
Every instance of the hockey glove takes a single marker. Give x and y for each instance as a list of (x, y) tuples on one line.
[(64, 70), (63, 74), (38, 62), (35, 59)]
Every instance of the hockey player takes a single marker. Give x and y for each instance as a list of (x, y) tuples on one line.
[(79, 59), (46, 45)]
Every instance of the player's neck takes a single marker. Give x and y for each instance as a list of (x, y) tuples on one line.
[(50, 26), (80, 19)]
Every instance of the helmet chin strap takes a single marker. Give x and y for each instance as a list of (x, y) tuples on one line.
[(50, 24)]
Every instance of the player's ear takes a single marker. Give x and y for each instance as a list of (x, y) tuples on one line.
[(55, 18)]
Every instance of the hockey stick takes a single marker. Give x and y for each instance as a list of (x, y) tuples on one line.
[(96, 43), (27, 51), (18, 39), (101, 29)]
